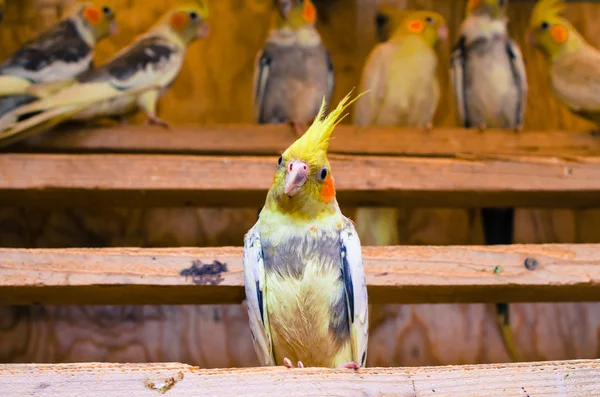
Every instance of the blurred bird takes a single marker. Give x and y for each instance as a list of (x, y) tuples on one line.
[(305, 284), (55, 57), (490, 87), (402, 75), (574, 64), (134, 79), (294, 70)]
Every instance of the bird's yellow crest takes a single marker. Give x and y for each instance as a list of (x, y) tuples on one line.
[(546, 10), (315, 141)]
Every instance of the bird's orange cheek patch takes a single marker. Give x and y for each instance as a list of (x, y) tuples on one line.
[(178, 20), (328, 191), (559, 34), (93, 15), (309, 13), (415, 26)]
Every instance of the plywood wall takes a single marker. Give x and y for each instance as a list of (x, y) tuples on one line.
[(215, 86)]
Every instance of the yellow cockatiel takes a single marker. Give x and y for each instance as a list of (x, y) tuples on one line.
[(574, 65), (134, 79), (305, 284)]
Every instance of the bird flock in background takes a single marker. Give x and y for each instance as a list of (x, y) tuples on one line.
[(305, 286)]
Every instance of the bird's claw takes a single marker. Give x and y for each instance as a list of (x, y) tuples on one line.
[(482, 127), (153, 120), (299, 128), (350, 365), (519, 128), (428, 127), (288, 363)]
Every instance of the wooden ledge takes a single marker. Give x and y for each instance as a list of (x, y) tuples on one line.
[(554, 378), (248, 139), (179, 180), (404, 274)]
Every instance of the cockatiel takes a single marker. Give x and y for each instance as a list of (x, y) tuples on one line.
[(488, 72), (294, 70), (305, 284), (574, 64), (54, 57), (490, 88), (402, 75), (134, 79)]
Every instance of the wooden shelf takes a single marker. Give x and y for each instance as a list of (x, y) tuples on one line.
[(124, 180), (554, 378), (247, 139), (404, 274)]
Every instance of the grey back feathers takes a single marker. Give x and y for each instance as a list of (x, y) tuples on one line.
[(56, 54)]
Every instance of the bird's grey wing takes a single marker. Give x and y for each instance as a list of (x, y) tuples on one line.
[(355, 284), (254, 281), (457, 77), (261, 76), (520, 77), (330, 78)]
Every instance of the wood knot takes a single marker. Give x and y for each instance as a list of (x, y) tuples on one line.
[(203, 274), (531, 263)]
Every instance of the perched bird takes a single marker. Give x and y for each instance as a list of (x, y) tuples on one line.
[(402, 75), (54, 57), (574, 65), (294, 70), (490, 88), (305, 284), (134, 79)]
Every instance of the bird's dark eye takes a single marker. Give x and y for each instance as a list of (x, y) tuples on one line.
[(544, 25), (323, 173), (194, 16), (280, 161), (429, 20), (107, 11)]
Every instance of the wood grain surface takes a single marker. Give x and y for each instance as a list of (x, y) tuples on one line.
[(248, 139), (554, 378), (171, 180), (120, 276)]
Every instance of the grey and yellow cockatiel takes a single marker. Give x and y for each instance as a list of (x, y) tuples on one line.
[(490, 87), (294, 70), (134, 79), (53, 59), (402, 76), (574, 65), (306, 291)]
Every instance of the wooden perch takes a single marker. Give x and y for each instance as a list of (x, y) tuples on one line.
[(272, 140), (176, 180), (553, 378), (404, 274)]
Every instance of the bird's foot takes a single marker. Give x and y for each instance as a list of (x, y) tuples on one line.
[(428, 127), (288, 363), (350, 365), (153, 120), (299, 128), (519, 128), (482, 127)]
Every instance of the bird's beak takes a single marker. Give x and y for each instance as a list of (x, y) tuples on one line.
[(442, 32), (296, 176), (112, 28), (203, 30)]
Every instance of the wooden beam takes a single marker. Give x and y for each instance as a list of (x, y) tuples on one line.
[(553, 378), (247, 139), (176, 180), (405, 274)]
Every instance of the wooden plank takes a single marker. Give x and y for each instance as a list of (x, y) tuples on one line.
[(273, 139), (553, 378), (403, 274), (171, 180)]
